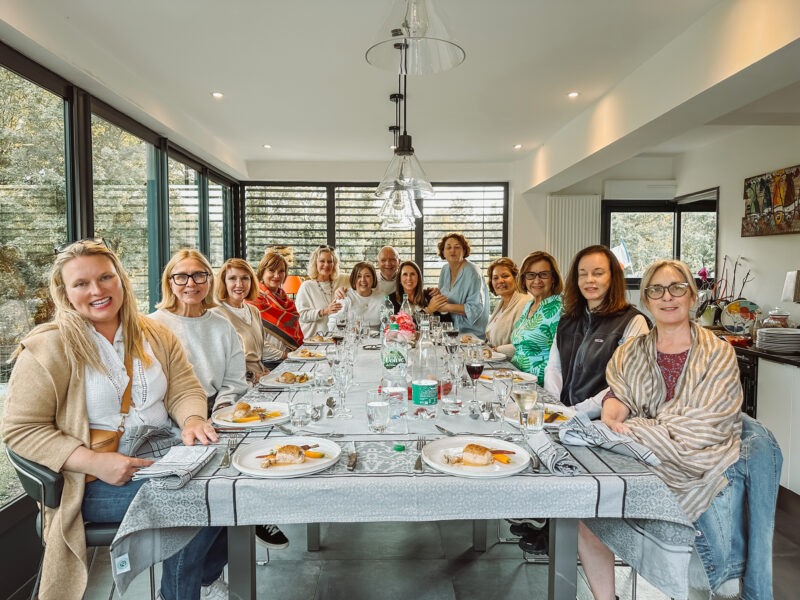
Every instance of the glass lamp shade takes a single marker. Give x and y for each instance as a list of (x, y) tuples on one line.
[(404, 174), (416, 23)]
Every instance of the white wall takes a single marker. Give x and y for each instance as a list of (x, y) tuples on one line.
[(726, 163)]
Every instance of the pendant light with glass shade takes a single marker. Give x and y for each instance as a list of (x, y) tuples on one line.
[(404, 184), (416, 23)]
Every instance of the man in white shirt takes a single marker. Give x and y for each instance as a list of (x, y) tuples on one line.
[(388, 259)]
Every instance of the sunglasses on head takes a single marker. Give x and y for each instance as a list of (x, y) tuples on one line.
[(95, 240)]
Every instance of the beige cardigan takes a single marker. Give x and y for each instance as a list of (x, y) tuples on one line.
[(252, 335), (501, 323), (46, 420)]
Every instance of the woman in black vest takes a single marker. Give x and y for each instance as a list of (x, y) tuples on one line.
[(596, 319)]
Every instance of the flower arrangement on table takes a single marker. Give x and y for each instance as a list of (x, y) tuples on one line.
[(406, 323)]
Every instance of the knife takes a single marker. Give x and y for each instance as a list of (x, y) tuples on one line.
[(444, 431), (352, 459)]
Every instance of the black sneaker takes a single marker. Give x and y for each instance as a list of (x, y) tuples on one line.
[(271, 537), (537, 544)]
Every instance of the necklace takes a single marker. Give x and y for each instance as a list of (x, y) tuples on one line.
[(329, 294)]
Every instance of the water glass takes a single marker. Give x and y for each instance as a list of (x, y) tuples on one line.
[(377, 411), (301, 414), (536, 417), (449, 402)]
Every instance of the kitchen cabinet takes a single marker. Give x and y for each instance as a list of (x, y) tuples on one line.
[(779, 411)]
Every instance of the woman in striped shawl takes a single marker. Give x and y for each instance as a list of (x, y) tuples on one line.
[(677, 392)]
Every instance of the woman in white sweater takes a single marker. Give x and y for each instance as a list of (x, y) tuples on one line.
[(315, 298), (210, 341), (359, 302), (237, 283)]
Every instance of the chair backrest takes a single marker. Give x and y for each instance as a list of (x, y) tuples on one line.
[(39, 482)]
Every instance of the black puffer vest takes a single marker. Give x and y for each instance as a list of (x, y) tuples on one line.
[(585, 345)]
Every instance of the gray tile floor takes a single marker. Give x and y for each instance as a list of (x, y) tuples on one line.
[(390, 561), (427, 561)]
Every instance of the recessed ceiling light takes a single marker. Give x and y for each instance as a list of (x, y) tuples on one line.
[(217, 95), (267, 146), (573, 94), (517, 146)]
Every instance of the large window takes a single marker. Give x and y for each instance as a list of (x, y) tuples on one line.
[(685, 228), (184, 201), (286, 215), (304, 216), (33, 211), (219, 197), (123, 181)]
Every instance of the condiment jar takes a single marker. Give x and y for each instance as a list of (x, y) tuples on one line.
[(776, 318)]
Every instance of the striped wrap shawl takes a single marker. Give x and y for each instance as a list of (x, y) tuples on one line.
[(697, 434)]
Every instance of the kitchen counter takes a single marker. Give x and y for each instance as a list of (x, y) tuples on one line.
[(786, 359)]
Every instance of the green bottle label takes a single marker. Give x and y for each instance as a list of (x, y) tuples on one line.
[(424, 391)]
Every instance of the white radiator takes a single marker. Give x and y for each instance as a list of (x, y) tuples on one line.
[(573, 222)]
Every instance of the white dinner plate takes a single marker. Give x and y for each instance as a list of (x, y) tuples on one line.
[(468, 338), (433, 454), (519, 376), (512, 414), (322, 342), (244, 459), (495, 357), (224, 416), (296, 355), (271, 380)]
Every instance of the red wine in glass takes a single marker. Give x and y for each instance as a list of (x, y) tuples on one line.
[(474, 370)]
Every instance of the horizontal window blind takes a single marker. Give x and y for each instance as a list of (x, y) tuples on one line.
[(184, 204), (476, 211), (294, 216), (358, 230), (216, 195)]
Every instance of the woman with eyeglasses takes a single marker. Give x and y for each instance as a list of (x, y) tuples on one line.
[(596, 319), (236, 291), (462, 291), (676, 391), (502, 274), (535, 329), (315, 298), (210, 341), (279, 317), (73, 375)]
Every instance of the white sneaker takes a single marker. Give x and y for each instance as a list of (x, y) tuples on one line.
[(218, 590)]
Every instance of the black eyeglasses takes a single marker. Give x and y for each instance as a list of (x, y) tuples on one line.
[(199, 277), (96, 240), (543, 275), (676, 290)]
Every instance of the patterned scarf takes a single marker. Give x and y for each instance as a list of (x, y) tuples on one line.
[(697, 434), (279, 316)]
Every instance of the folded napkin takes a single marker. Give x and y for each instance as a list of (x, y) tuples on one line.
[(581, 431), (552, 455), (176, 467)]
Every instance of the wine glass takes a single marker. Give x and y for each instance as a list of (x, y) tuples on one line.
[(474, 365), (455, 366), (526, 396), (343, 376), (332, 355), (502, 383)]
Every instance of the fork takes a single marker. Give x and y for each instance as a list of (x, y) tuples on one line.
[(420, 445), (226, 458)]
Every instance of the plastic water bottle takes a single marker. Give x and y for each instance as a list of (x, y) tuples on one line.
[(394, 356), (424, 377), (406, 306)]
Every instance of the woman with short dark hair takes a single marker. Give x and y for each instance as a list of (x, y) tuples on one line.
[(596, 319), (359, 302)]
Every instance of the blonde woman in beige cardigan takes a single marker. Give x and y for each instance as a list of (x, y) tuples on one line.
[(502, 276), (677, 392), (69, 377), (237, 283)]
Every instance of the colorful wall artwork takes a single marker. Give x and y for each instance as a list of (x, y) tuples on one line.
[(772, 203)]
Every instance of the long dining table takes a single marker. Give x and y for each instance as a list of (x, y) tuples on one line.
[(611, 490)]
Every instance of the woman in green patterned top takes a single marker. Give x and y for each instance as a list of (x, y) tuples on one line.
[(533, 333)]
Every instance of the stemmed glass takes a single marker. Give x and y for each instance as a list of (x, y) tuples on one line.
[(474, 364), (526, 396), (343, 377), (502, 383), (455, 365)]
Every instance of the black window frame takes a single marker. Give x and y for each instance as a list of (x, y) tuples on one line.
[(677, 206)]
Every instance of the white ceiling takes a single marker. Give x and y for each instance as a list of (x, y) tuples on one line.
[(294, 73)]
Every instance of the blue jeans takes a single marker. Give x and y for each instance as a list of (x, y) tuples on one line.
[(734, 535), (198, 563)]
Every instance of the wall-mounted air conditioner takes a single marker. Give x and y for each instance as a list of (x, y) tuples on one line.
[(658, 189)]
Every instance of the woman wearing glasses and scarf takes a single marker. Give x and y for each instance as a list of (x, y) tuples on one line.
[(315, 298), (535, 329), (210, 341)]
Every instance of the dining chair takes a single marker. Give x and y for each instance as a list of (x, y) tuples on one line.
[(45, 487)]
